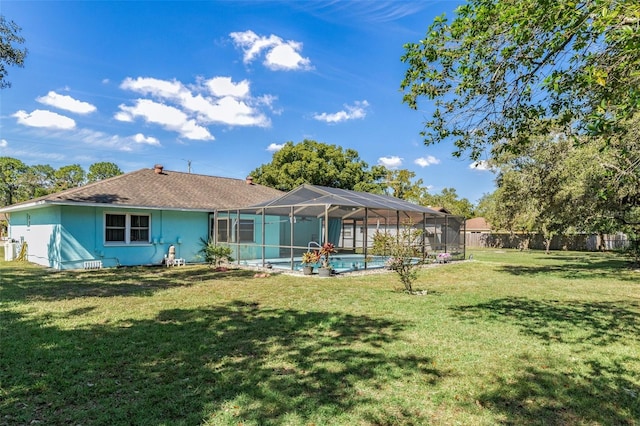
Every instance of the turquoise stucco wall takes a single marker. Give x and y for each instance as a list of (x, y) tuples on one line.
[(63, 237), (40, 229), (181, 229), (251, 251)]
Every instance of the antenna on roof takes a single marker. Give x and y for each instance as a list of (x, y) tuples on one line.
[(188, 165)]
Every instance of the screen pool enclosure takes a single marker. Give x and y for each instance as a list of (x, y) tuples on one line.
[(276, 233)]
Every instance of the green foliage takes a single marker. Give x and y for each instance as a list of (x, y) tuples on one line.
[(70, 176), (316, 163), (37, 181), (448, 198), (403, 251), (215, 255), (400, 184), (102, 170), (19, 182), (10, 54), (11, 171), (559, 184), (503, 71), (633, 249)]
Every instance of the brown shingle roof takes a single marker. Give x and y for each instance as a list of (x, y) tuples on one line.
[(477, 224), (167, 190)]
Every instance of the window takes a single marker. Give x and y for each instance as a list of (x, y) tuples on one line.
[(127, 228), (245, 231), (223, 231), (240, 231), (139, 228), (115, 227)]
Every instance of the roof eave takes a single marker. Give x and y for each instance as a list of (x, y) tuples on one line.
[(45, 203)]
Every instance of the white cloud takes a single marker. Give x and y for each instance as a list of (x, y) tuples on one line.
[(351, 112), (280, 54), (153, 86), (169, 117), (274, 147), (426, 161), (224, 86), (229, 110), (142, 139), (3, 143), (286, 57), (481, 165), (218, 100), (391, 162), (44, 118), (67, 103)]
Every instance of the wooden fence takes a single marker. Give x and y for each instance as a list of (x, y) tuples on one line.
[(581, 242)]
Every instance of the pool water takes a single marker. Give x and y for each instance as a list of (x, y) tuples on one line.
[(339, 263)]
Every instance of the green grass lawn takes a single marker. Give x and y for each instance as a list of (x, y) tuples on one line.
[(508, 338)]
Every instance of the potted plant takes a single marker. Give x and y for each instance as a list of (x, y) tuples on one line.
[(325, 252), (309, 259)]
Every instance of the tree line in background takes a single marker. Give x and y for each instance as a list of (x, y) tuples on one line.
[(19, 182)]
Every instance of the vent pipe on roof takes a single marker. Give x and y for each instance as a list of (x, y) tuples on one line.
[(249, 180), (158, 168)]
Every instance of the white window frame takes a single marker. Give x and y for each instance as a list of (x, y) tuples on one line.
[(127, 229)]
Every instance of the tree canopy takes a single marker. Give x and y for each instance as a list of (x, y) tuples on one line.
[(10, 54), (19, 182), (317, 163), (502, 71), (102, 170), (449, 199)]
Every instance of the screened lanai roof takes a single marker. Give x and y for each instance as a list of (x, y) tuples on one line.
[(315, 200)]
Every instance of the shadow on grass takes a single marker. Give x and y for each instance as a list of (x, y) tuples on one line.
[(605, 394), (587, 266), (573, 322), (19, 283), (598, 391), (225, 364)]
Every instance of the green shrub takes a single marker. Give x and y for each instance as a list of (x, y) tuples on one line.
[(216, 255), (402, 251)]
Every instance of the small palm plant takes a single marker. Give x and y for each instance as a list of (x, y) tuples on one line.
[(215, 255)]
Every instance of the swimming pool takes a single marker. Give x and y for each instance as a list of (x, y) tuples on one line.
[(339, 263)]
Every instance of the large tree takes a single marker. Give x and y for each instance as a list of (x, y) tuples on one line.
[(10, 54), (558, 185), (504, 70), (448, 198), (102, 170), (11, 172), (69, 177), (38, 180), (400, 184), (318, 163), (533, 190)]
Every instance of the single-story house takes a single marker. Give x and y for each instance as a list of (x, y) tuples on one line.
[(139, 218), (130, 219)]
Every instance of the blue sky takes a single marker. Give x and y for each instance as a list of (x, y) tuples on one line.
[(218, 86)]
